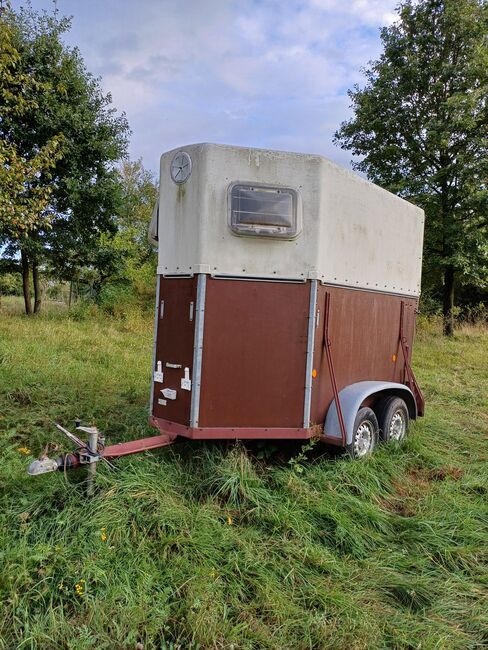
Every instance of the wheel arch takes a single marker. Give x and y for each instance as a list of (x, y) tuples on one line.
[(352, 397)]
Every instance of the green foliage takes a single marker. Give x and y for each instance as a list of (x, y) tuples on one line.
[(201, 546), (420, 126), (131, 282), (297, 463), (10, 284), (118, 300), (477, 313), (83, 310), (139, 195), (23, 201)]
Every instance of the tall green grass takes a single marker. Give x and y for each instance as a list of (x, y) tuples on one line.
[(202, 545)]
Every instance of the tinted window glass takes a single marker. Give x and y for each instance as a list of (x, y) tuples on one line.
[(268, 211)]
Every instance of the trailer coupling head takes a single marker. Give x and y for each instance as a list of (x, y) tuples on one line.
[(45, 464), (85, 453), (91, 452)]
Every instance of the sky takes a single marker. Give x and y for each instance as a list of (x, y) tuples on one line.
[(258, 73)]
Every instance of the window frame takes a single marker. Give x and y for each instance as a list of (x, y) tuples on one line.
[(262, 233)]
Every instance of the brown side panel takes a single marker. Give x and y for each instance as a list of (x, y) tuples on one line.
[(364, 331), (174, 346), (254, 354)]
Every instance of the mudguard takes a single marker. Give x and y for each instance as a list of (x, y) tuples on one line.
[(351, 397)]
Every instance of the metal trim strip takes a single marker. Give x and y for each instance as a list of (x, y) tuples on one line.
[(155, 338), (177, 275), (230, 433), (409, 296), (310, 346), (256, 278), (198, 350)]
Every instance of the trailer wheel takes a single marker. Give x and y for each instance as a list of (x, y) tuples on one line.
[(365, 434), (393, 418)]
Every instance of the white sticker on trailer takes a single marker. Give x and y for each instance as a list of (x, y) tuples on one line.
[(185, 381), (158, 376), (169, 393), (162, 402)]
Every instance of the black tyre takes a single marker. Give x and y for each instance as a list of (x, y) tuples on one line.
[(393, 418), (365, 434)]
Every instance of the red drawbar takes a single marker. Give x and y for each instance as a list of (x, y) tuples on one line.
[(136, 446), (228, 433)]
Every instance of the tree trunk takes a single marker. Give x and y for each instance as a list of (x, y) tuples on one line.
[(448, 302), (37, 288), (25, 282)]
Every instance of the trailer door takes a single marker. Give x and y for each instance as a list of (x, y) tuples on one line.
[(254, 354), (175, 330)]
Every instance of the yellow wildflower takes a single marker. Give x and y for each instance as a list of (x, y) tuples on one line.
[(80, 587), (24, 450), (229, 520)]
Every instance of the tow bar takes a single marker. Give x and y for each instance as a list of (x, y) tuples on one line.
[(91, 452)]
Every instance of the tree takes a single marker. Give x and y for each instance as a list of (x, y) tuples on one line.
[(23, 201), (80, 187), (121, 267), (420, 126), (134, 261), (140, 193)]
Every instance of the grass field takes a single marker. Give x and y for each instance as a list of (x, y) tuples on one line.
[(204, 546)]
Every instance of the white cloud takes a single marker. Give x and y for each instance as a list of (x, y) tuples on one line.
[(372, 12), (262, 73)]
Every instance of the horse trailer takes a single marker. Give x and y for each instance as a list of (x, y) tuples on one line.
[(287, 292)]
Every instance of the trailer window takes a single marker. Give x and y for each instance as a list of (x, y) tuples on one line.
[(263, 211)]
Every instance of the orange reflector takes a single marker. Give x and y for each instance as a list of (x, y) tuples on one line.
[(314, 373), (393, 357)]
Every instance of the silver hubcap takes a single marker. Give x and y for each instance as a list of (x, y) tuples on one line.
[(363, 439), (397, 426)]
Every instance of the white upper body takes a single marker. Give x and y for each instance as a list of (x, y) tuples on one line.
[(234, 211)]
